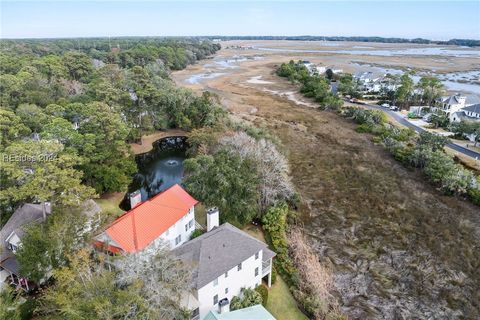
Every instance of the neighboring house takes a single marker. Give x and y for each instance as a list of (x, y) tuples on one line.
[(224, 260), (167, 217), (451, 104), (312, 68), (11, 236), (13, 231), (368, 81), (257, 312), (470, 113)]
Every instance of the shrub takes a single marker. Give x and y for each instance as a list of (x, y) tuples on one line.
[(263, 290), (274, 271), (275, 223), (248, 298), (196, 233), (474, 194)]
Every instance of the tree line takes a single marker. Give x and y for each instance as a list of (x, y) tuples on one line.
[(82, 109)]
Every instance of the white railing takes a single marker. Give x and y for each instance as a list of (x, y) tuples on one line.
[(266, 267), (199, 226)]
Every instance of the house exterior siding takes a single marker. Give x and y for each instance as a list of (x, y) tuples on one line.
[(178, 229), (236, 280)]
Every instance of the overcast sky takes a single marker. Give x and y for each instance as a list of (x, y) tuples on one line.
[(437, 20)]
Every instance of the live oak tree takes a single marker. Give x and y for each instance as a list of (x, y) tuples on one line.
[(163, 280), (86, 289), (11, 127), (41, 171), (47, 244), (108, 161), (227, 181)]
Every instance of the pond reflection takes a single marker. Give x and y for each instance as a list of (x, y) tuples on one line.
[(159, 169)]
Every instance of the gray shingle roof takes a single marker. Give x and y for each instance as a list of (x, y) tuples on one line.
[(451, 99), (24, 216), (219, 250), (473, 108)]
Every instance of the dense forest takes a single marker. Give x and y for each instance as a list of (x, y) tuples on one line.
[(78, 102), (456, 42), (69, 108)]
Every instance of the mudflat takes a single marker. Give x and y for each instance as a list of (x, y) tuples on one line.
[(397, 246)]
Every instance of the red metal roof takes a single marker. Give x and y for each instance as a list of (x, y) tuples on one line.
[(137, 228)]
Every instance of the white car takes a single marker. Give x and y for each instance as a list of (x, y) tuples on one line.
[(385, 105), (394, 108)]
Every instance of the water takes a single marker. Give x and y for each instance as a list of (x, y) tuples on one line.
[(435, 51), (219, 64), (468, 81), (159, 169)]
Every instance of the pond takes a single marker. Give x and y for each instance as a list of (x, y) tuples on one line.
[(159, 169)]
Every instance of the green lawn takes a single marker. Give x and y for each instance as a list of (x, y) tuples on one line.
[(281, 303), (109, 203)]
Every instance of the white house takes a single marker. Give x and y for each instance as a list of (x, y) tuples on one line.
[(368, 81), (224, 260), (470, 113), (14, 230), (451, 104), (167, 217)]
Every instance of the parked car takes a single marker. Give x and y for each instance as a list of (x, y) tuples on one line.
[(394, 108), (385, 105), (427, 117)]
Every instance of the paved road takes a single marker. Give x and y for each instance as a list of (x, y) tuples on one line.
[(400, 119)]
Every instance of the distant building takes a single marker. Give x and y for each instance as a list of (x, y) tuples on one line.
[(470, 113), (451, 104), (368, 81)]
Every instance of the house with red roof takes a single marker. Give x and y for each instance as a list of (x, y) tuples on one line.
[(167, 217)]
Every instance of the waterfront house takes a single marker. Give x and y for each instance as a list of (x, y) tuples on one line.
[(470, 113), (167, 217), (451, 104), (223, 260)]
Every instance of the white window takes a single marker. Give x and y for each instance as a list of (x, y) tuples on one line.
[(178, 239), (239, 267), (256, 255), (226, 290), (226, 274), (215, 282), (215, 299), (256, 271), (190, 224)]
